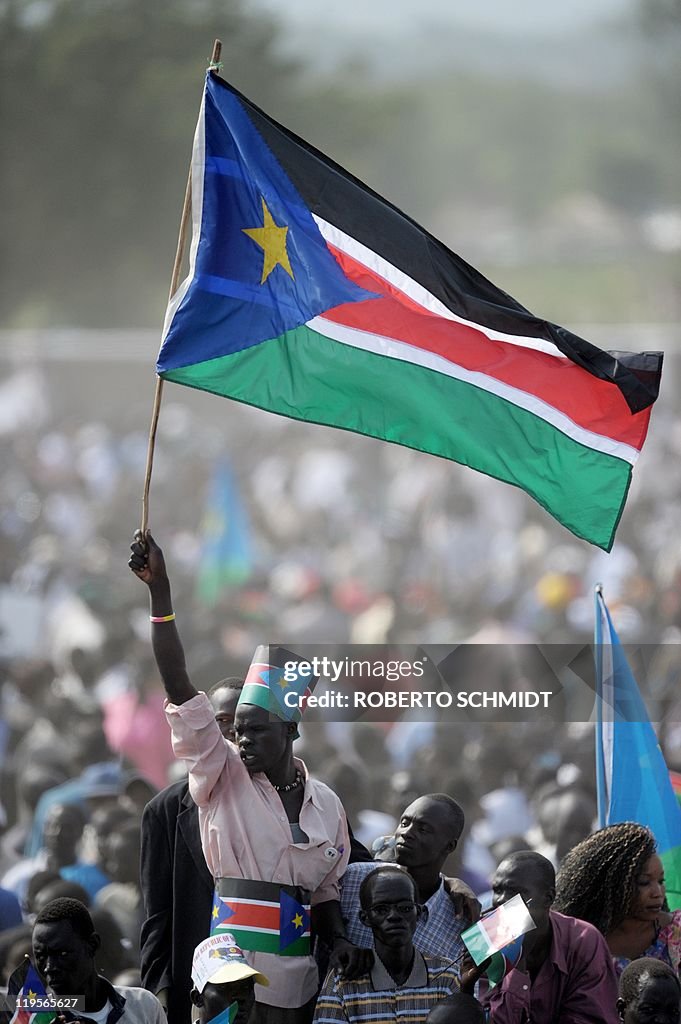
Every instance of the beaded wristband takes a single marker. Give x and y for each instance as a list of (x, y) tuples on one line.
[(162, 618)]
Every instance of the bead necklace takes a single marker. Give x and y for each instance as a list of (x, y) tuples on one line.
[(298, 781)]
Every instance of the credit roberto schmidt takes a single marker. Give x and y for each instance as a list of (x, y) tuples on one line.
[(399, 699)]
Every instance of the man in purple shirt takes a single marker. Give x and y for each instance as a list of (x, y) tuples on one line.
[(565, 974)]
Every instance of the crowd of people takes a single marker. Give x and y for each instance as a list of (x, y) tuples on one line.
[(448, 812), (256, 900)]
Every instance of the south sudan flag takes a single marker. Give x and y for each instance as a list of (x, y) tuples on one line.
[(311, 296)]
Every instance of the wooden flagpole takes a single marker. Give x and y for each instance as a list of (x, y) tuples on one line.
[(174, 282)]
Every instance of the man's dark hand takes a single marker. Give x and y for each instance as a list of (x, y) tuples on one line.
[(471, 972), (349, 960), (146, 560), (466, 903)]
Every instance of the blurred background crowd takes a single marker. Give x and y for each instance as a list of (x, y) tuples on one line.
[(275, 531), (278, 531)]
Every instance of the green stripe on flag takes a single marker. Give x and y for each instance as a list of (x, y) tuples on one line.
[(213, 579), (671, 862), (495, 971), (308, 377), (477, 942), (265, 942), (301, 947), (260, 695)]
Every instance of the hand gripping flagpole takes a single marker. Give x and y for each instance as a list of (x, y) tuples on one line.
[(214, 65)]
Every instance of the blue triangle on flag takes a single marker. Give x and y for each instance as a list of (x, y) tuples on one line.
[(294, 920)]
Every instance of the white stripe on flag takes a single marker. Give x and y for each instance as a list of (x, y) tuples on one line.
[(400, 350), (416, 292), (197, 174), (251, 903), (245, 928), (607, 699)]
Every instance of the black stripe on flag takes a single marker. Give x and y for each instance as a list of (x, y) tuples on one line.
[(343, 200)]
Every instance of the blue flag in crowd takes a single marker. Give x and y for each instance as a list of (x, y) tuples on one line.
[(632, 777), (226, 549)]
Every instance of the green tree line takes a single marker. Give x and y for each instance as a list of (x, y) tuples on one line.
[(98, 102)]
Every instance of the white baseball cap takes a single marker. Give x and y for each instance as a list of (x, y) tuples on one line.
[(219, 960)]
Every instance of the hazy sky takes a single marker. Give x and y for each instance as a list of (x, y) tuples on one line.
[(518, 16)]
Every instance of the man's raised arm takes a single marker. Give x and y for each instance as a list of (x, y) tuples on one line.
[(148, 564)]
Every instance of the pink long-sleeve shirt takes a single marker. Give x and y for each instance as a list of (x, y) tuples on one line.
[(245, 833)]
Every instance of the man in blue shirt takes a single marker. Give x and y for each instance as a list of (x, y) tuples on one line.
[(428, 831), (10, 911)]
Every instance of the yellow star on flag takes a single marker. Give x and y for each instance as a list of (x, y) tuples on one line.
[(215, 911), (297, 921), (31, 995), (272, 240), (283, 682)]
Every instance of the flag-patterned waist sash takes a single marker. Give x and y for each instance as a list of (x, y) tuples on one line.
[(266, 917)]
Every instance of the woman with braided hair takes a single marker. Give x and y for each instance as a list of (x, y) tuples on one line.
[(615, 880)]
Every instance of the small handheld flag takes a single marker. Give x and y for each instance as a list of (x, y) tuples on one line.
[(504, 960), (498, 929), (26, 986), (226, 1016)]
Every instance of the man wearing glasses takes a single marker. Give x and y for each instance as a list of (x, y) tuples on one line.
[(403, 983)]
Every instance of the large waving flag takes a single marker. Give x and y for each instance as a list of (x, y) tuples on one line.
[(675, 779), (311, 296), (632, 777)]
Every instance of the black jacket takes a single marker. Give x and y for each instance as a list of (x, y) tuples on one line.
[(177, 889)]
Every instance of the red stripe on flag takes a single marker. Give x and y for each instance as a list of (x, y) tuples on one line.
[(254, 675), (252, 915), (592, 403)]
